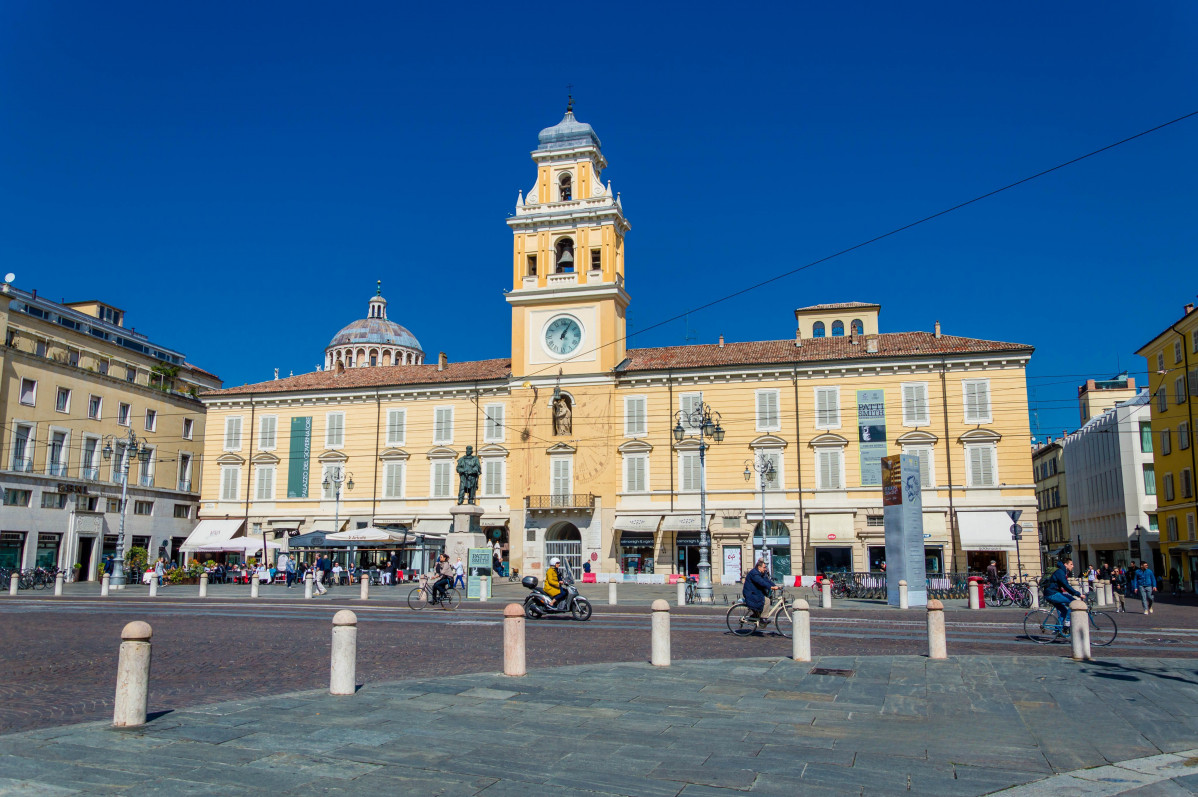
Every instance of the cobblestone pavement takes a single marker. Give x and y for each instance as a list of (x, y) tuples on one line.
[(759, 726), (59, 654)]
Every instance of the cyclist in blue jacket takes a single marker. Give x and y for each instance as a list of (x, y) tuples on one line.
[(1057, 590), (758, 588)]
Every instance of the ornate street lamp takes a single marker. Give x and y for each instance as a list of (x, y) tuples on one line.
[(701, 422), (763, 464), (133, 446), (336, 477)]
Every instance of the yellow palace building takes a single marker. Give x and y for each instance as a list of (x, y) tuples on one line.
[(591, 451)]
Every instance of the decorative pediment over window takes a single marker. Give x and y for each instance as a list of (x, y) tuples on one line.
[(442, 452), (332, 456), (688, 444), (980, 436), (635, 447), (828, 439), (265, 458), (560, 448), (492, 450), (394, 455), (917, 438), (768, 441), (230, 459)]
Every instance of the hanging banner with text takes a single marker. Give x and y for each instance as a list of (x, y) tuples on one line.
[(871, 434), (298, 457), (902, 512)]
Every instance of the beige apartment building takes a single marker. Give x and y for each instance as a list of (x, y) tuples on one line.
[(576, 433), (1052, 500), (77, 387)]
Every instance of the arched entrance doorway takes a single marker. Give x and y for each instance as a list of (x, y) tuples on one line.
[(772, 543), (565, 542)]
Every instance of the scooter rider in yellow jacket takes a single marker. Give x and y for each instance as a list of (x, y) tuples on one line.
[(553, 580)]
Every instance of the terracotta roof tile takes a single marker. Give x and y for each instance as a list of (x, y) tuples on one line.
[(378, 376), (890, 344)]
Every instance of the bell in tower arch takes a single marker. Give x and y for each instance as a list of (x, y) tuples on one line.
[(565, 256)]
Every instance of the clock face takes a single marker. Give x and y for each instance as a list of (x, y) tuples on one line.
[(563, 335)]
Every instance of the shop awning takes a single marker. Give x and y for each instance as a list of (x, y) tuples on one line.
[(313, 539), (208, 532), (645, 523), (985, 531), (493, 521), (281, 523), (368, 534), (328, 526), (434, 528), (684, 522), (636, 539)]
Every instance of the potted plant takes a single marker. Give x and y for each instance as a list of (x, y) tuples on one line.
[(75, 570)]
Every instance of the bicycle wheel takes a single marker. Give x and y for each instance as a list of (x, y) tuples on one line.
[(452, 600), (740, 619), (1103, 629), (690, 592), (416, 599), (1041, 626), (784, 624)]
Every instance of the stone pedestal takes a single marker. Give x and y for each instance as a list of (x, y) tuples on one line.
[(467, 531)]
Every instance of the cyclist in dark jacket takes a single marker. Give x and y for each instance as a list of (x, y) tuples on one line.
[(757, 587), (1057, 590)]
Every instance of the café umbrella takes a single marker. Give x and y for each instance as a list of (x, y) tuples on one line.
[(368, 534)]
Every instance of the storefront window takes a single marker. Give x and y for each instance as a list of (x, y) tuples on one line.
[(978, 561), (833, 559), (933, 559), (636, 552), (773, 545), (877, 557), (687, 546), (12, 543), (47, 550)]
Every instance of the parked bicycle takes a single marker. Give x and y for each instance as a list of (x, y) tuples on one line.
[(692, 589), (742, 622), (1045, 625), (1007, 592)]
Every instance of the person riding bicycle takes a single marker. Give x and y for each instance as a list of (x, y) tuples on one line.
[(444, 574), (1057, 590), (757, 589)]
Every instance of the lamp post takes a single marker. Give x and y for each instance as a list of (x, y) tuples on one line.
[(763, 464), (701, 422), (335, 478), (133, 446), (1140, 531)]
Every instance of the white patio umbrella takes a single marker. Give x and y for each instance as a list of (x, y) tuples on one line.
[(368, 534), (240, 544)]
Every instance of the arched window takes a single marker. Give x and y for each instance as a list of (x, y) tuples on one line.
[(565, 188), (817, 329), (838, 329), (565, 256), (857, 327)]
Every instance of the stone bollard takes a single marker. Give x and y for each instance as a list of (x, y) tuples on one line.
[(974, 592), (1108, 594), (801, 649), (904, 603), (682, 593), (660, 632), (132, 676), (484, 588), (153, 593), (58, 586), (513, 640), (203, 585), (1034, 591), (308, 584), (254, 585), (343, 667), (611, 593), (825, 595), (12, 584), (104, 586), (937, 647), (1079, 636), (364, 592)]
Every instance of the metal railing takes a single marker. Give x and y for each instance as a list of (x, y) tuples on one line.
[(567, 501), (23, 465), (184, 485), (146, 480), (91, 474), (56, 469), (872, 585)]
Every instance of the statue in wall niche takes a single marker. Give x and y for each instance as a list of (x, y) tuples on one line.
[(563, 421), (468, 469)]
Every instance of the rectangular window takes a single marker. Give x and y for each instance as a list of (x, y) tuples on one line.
[(1177, 353), (768, 417), (233, 433), (1162, 399), (266, 483), (397, 421), (1179, 390), (22, 448), (1183, 436), (56, 454), (493, 431), (1169, 492), (441, 479), (778, 481), (926, 477), (102, 366), (182, 511), (690, 404), (829, 469), (1145, 437), (1160, 362), (230, 482), (1153, 525), (492, 477), (876, 521), (1190, 526), (123, 413), (17, 497), (89, 461), (94, 405), (268, 427), (29, 392), (393, 480), (54, 500), (1166, 442), (977, 400), (185, 472), (636, 416), (827, 408), (151, 420), (39, 348), (915, 404), (688, 467), (1187, 484), (596, 259), (532, 265), (1171, 528), (981, 466), (188, 426), (334, 435), (328, 481), (562, 476), (62, 401), (635, 470), (1150, 479), (443, 425), (112, 505), (143, 507)]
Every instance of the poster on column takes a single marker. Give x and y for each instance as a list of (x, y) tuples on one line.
[(902, 512), (871, 434), (298, 457)]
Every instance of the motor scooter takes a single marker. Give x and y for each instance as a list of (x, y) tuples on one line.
[(539, 603)]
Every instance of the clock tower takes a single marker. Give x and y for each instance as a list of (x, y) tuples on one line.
[(568, 299)]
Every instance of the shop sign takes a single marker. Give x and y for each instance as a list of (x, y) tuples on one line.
[(831, 536), (81, 489), (871, 434), (298, 457)]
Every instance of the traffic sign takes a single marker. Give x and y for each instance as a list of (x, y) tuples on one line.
[(1016, 531), (1014, 513)]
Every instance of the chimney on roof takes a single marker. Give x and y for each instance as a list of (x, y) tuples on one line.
[(721, 341), (871, 344), (340, 369), (798, 337), (937, 328), (442, 361), (1189, 308)]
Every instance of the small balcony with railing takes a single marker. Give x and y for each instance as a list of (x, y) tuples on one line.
[(58, 469), (185, 485), (146, 480), (560, 503), (90, 474), (22, 465)]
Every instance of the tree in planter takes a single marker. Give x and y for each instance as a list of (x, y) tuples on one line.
[(76, 569)]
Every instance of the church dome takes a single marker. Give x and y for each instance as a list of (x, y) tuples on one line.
[(373, 340), (568, 133)]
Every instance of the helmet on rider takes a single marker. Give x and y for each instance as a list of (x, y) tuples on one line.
[(554, 562)]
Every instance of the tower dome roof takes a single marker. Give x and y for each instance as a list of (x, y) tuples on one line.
[(375, 328), (568, 133)]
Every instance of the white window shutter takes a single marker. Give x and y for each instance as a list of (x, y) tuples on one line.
[(767, 411), (395, 427), (393, 480), (561, 477), (494, 423), (493, 476), (690, 403), (335, 431), (634, 474), (827, 406), (925, 467), (232, 434), (635, 416)]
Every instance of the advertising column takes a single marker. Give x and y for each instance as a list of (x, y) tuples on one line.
[(902, 510)]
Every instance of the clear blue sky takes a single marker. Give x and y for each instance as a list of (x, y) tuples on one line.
[(238, 175)]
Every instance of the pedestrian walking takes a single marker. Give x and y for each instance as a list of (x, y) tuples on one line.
[(459, 574), (1174, 578), (1118, 584), (393, 569), (159, 570), (1146, 584), (324, 572)]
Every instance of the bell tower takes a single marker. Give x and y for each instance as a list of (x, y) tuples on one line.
[(568, 299)]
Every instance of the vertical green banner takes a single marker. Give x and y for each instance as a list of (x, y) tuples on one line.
[(298, 457), (871, 435)]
